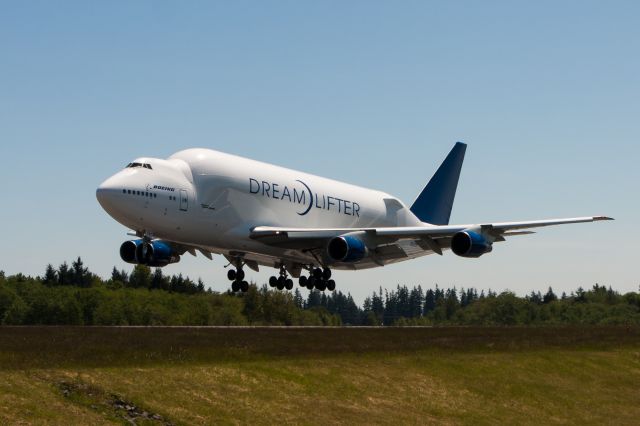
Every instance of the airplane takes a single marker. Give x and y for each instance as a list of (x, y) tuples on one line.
[(258, 214)]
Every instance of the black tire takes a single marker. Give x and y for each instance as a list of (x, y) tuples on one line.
[(321, 285), (231, 274), (244, 286), (240, 275), (326, 274), (317, 273), (310, 283), (303, 281), (235, 286), (280, 283), (331, 285), (288, 284), (273, 281)]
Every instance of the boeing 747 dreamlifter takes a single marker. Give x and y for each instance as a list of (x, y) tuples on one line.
[(256, 214)]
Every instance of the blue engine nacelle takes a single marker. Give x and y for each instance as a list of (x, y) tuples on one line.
[(154, 253), (470, 244), (346, 249)]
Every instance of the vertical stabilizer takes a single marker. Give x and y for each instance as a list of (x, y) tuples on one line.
[(435, 202)]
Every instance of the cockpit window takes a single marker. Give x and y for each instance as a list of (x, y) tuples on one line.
[(144, 165)]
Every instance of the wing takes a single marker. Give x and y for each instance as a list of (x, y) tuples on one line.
[(398, 243)]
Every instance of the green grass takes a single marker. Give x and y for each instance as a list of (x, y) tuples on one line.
[(461, 375)]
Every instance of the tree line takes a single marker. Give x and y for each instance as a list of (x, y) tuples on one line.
[(71, 294)]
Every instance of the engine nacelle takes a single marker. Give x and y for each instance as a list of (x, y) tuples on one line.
[(346, 248), (128, 251), (154, 253), (470, 244)]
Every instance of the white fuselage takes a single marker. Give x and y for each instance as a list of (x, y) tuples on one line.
[(208, 199)]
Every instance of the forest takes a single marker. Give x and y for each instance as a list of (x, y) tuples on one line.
[(73, 295)]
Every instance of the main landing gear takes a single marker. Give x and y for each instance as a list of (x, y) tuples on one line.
[(320, 279), (282, 281), (237, 278)]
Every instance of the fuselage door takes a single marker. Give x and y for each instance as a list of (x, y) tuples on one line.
[(184, 200)]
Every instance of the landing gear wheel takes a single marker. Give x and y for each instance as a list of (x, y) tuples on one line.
[(231, 274), (244, 286), (240, 275), (317, 273), (331, 285), (310, 283), (273, 281), (280, 284), (303, 281), (235, 286), (326, 274), (321, 285), (288, 284)]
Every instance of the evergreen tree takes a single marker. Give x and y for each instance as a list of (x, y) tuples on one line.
[(81, 275), (119, 276), (463, 298), (313, 300), (390, 308), (158, 281), (416, 298), (176, 284), (189, 287), (451, 302), (50, 276), (439, 295), (200, 286), (377, 305), (403, 305), (65, 275), (140, 277), (549, 296), (429, 301), (535, 298)]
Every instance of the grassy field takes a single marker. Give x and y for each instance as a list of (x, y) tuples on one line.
[(93, 375)]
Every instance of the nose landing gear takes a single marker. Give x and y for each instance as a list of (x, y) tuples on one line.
[(319, 279)]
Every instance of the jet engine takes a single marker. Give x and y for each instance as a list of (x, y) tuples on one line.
[(470, 244), (151, 253), (346, 248)]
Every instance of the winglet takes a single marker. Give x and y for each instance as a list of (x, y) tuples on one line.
[(597, 218), (435, 202)]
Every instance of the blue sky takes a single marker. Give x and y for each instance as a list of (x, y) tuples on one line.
[(374, 93)]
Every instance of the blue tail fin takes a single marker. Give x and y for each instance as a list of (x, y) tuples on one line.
[(435, 202)]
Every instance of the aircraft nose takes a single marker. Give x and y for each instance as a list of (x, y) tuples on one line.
[(107, 193)]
